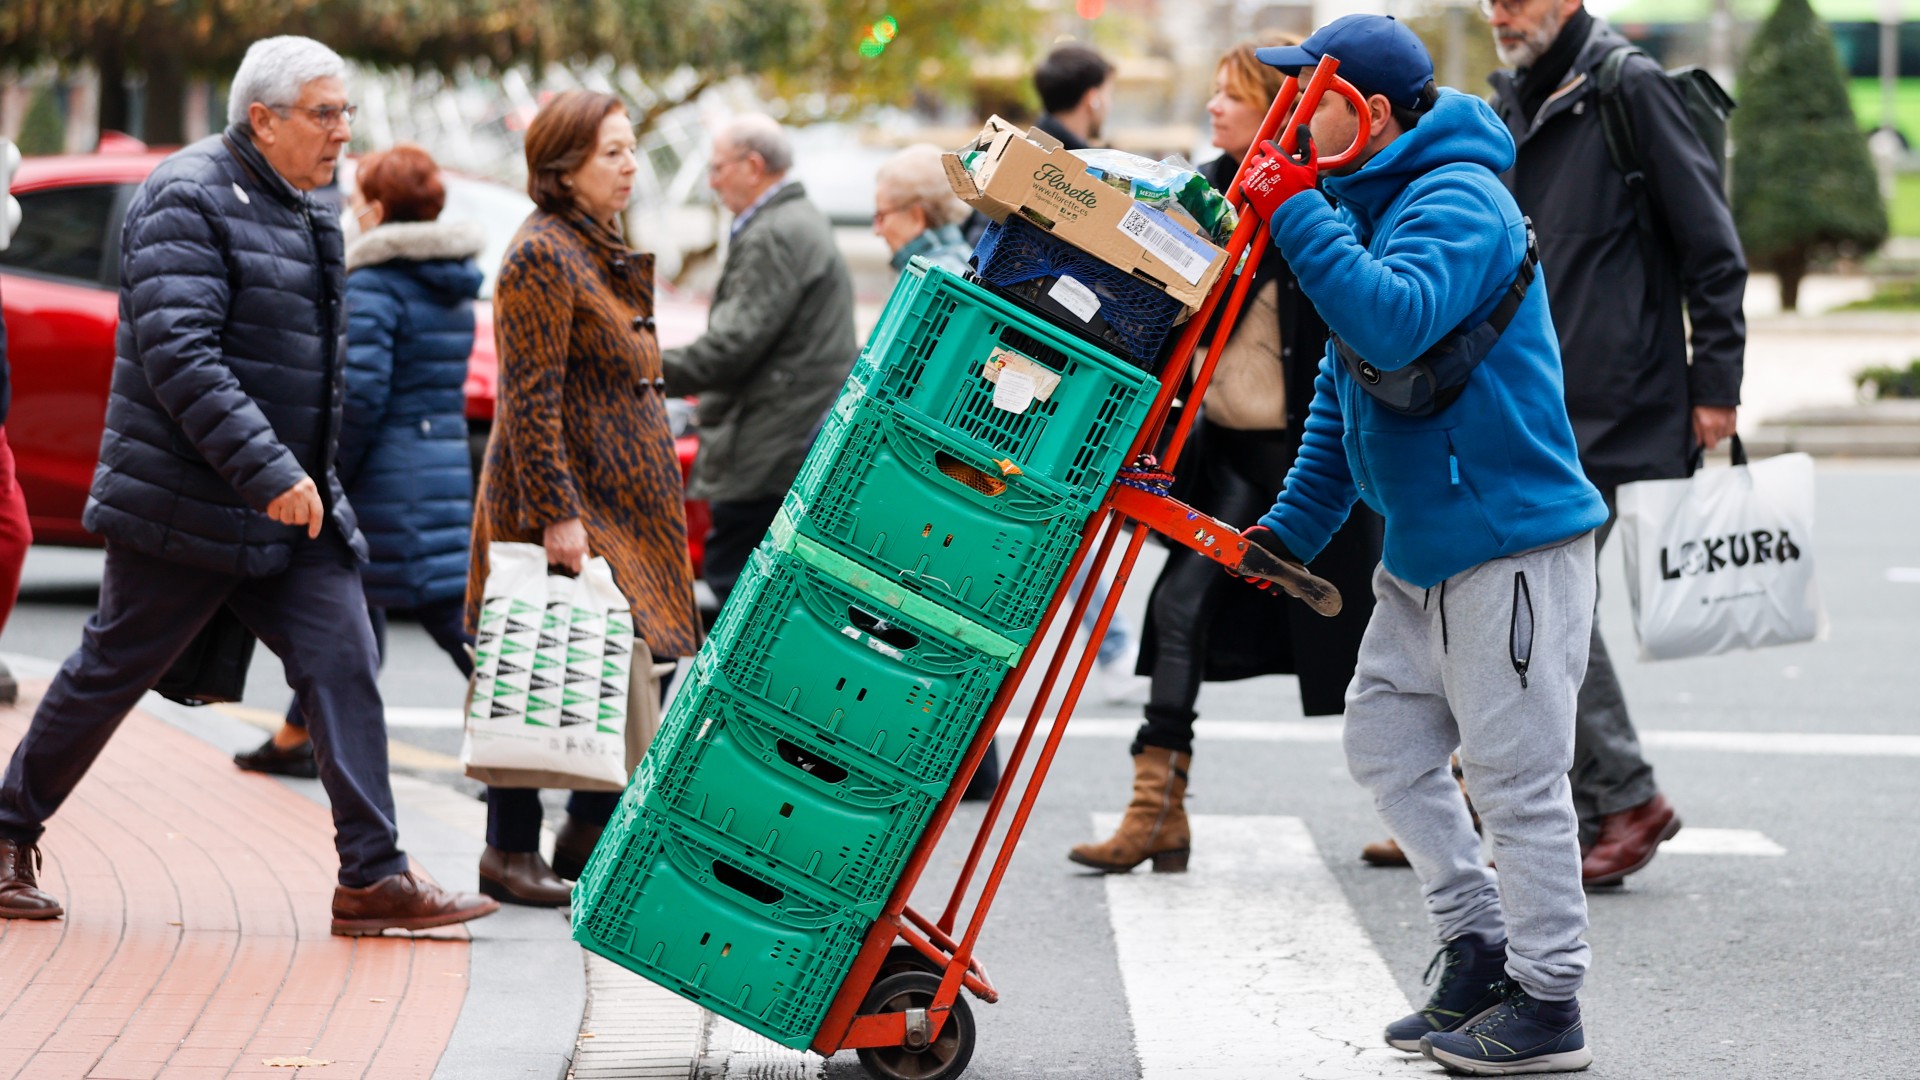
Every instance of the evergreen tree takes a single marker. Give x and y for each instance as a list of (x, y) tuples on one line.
[(1803, 184), (43, 130)]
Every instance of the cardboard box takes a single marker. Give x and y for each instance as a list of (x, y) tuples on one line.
[(1031, 174)]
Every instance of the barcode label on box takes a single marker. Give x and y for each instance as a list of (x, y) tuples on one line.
[(1170, 242)]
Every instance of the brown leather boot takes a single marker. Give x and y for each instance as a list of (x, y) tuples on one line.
[(1384, 853), (403, 902), (573, 845), (20, 895), (1155, 824), (521, 877), (1628, 841)]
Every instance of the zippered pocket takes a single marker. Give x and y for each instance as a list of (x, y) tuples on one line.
[(1520, 628)]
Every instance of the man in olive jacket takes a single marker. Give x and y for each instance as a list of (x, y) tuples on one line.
[(1639, 406), (779, 344)]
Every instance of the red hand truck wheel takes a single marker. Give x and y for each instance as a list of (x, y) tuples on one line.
[(943, 1058)]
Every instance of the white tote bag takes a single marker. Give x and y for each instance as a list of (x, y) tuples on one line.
[(553, 658), (1724, 559)]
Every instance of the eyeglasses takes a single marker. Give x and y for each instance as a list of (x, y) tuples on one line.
[(327, 116), (1509, 8), (883, 213)]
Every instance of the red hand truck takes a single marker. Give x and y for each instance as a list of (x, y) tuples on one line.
[(900, 1006)]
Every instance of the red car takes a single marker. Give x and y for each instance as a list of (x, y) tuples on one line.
[(58, 290)]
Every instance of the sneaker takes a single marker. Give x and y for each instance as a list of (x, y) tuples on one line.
[(1523, 1035), (1118, 683), (1472, 972)]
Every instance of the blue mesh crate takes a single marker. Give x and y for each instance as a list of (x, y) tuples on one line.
[(903, 687), (742, 770), (1133, 317), (720, 928), (936, 514), (930, 355)]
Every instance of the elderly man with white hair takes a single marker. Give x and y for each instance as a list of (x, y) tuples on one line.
[(216, 491), (779, 343)]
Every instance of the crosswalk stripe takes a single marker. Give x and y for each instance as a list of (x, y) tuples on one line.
[(1699, 841), (1253, 964), (1795, 743)]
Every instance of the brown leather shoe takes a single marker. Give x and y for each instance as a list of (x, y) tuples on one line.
[(573, 845), (1628, 841), (403, 902), (1383, 853), (20, 895), (521, 877)]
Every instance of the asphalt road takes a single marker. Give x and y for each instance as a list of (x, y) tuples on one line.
[(1797, 959)]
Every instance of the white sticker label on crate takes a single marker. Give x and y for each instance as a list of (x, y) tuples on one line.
[(1013, 391), (1003, 360), (1168, 241), (1075, 297)]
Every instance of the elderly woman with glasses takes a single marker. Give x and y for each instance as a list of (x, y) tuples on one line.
[(915, 211)]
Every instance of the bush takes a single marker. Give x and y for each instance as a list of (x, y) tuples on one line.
[(1803, 184), (1889, 382)]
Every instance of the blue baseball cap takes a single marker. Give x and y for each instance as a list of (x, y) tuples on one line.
[(1377, 55)]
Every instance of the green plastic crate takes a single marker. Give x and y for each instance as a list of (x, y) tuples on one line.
[(898, 683), (937, 334), (736, 768), (720, 929), (936, 515)]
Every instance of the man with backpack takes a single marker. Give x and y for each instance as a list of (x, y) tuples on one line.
[(1619, 165), (1439, 404)]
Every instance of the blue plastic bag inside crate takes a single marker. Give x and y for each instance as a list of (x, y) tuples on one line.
[(738, 768), (891, 492), (929, 355), (1135, 316), (828, 658), (720, 929)]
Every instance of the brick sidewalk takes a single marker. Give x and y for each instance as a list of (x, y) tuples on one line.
[(195, 942)]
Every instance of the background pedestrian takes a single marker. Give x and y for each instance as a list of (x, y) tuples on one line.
[(581, 459), (411, 283), (779, 343), (1202, 625)]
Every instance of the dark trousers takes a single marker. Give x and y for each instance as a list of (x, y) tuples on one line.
[(1610, 774), (1191, 586), (444, 620), (737, 530), (313, 616), (514, 814)]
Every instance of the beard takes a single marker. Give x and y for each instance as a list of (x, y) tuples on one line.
[(1523, 50)]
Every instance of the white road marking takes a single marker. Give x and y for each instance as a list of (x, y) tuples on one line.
[(1328, 731), (1905, 575), (1695, 841), (402, 716), (1253, 964)]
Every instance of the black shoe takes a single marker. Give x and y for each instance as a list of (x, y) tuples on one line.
[(1472, 973), (271, 759), (1523, 1035), (9, 686)]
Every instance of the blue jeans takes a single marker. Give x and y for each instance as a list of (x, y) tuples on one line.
[(1119, 634)]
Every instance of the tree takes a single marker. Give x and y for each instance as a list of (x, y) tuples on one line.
[(1803, 184)]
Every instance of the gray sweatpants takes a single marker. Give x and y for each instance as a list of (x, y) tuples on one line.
[(1489, 661)]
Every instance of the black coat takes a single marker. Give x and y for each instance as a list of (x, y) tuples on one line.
[(1623, 341), (1252, 632), (227, 374)]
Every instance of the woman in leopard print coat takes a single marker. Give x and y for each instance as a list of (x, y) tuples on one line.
[(581, 458)]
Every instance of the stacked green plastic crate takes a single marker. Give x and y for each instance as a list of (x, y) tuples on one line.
[(828, 712)]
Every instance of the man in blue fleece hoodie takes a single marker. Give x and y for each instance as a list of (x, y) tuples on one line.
[(1484, 596)]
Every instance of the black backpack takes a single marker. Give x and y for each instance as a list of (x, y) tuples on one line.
[(1708, 106)]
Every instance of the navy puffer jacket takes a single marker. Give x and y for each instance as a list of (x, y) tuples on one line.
[(227, 374), (403, 446)]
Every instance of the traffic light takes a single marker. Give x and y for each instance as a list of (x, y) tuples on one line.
[(9, 206)]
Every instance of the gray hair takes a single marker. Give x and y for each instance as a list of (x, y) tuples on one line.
[(759, 133), (916, 177), (275, 70)]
